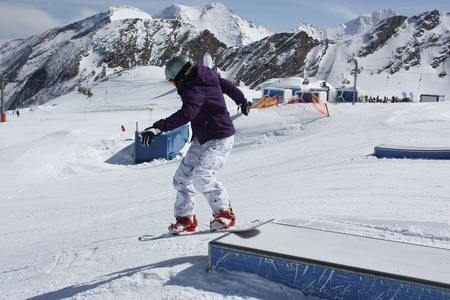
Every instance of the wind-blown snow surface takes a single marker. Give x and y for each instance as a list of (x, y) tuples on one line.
[(73, 202)]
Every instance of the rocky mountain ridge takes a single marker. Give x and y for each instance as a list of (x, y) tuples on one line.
[(64, 59)]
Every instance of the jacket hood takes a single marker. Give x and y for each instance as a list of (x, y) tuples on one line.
[(205, 76)]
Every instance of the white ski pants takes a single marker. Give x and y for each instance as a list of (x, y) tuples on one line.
[(198, 170)]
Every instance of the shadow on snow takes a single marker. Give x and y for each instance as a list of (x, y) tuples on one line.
[(197, 276)]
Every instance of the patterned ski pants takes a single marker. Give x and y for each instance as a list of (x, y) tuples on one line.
[(198, 170)]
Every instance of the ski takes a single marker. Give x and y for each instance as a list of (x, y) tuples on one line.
[(235, 229)]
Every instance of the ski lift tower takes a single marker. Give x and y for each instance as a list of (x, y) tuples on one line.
[(354, 84)]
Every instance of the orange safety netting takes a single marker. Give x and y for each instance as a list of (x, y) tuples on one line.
[(320, 105), (266, 102)]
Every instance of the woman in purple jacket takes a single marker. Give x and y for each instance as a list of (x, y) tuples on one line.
[(201, 90)]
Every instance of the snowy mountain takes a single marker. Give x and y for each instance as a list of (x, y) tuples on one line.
[(127, 12), (226, 26), (81, 54), (350, 29), (396, 54), (77, 56)]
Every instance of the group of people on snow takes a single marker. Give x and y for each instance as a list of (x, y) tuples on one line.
[(385, 99)]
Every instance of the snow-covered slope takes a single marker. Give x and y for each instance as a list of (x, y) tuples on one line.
[(228, 27), (73, 202)]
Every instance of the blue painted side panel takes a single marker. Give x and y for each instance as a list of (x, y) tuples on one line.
[(328, 283), (411, 153), (167, 145), (346, 96)]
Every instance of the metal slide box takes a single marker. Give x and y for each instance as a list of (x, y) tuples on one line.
[(167, 145), (388, 151), (334, 265)]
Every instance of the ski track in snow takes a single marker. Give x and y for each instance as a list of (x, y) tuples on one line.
[(74, 203)]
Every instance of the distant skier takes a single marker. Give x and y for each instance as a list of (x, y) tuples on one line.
[(201, 90)]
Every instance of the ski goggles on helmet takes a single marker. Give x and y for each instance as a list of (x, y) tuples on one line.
[(182, 75)]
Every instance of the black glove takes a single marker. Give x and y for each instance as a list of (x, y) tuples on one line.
[(148, 134), (245, 107)]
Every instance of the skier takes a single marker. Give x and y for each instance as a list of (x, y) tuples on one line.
[(201, 90)]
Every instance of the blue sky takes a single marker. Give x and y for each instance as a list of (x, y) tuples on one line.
[(23, 18)]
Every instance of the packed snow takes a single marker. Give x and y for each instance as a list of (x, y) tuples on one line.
[(73, 202)]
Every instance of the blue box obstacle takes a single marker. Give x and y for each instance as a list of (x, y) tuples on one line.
[(167, 145), (385, 151), (335, 265)]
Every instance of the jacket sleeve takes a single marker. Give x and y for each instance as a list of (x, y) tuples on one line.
[(232, 91), (192, 102)]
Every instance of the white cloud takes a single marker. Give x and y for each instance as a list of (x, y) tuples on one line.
[(329, 10), (342, 11), (84, 13), (22, 21)]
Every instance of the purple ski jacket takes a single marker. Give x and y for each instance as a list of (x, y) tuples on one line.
[(204, 106)]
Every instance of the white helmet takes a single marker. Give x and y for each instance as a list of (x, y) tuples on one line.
[(179, 68)]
